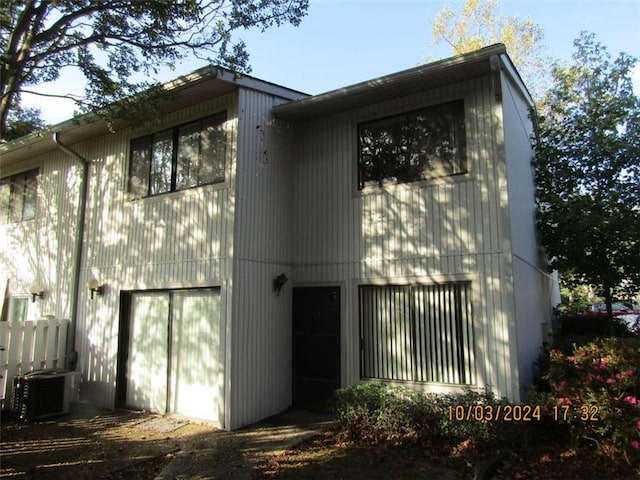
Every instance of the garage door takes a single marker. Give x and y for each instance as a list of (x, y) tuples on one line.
[(174, 353)]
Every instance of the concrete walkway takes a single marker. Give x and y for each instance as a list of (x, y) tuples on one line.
[(233, 455)]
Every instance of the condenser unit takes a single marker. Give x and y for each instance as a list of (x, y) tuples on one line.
[(44, 393)]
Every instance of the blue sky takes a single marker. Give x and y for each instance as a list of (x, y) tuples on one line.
[(342, 42)]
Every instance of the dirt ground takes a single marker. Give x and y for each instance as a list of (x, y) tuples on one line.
[(293, 445), (113, 445)]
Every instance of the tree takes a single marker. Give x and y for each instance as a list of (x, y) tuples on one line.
[(588, 171), (479, 23), (22, 121), (113, 42)]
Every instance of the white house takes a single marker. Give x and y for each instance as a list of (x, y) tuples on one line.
[(260, 248)]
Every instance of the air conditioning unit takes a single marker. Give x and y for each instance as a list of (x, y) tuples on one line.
[(44, 393)]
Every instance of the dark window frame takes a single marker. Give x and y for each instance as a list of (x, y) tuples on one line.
[(22, 195), (148, 167), (393, 151)]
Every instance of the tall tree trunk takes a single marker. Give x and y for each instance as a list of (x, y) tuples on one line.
[(608, 300)]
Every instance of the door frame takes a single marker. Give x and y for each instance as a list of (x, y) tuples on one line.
[(124, 337)]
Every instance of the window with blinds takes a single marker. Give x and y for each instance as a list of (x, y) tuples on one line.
[(417, 333)]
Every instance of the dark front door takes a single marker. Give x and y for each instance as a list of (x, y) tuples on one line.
[(316, 346)]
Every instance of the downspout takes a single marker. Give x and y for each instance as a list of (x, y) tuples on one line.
[(71, 354)]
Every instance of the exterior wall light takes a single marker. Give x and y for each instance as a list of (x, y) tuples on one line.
[(95, 287), (36, 290), (279, 282)]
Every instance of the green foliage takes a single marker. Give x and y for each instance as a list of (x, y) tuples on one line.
[(481, 429), (575, 297), (587, 170), (375, 413), (595, 391), (22, 121), (115, 42), (380, 414)]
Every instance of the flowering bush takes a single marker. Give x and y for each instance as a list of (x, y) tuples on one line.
[(595, 390)]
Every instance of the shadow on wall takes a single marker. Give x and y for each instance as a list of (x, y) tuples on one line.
[(451, 226)]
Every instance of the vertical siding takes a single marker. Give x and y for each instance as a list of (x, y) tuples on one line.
[(445, 227), (42, 250), (532, 284), (260, 364), (176, 240)]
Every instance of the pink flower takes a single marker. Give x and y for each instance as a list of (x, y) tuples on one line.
[(610, 381), (631, 400), (635, 444), (565, 400), (629, 372), (638, 424)]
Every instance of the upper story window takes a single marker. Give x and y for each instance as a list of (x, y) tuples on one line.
[(412, 147), (179, 158), (18, 196)]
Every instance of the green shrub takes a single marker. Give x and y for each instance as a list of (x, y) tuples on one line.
[(480, 427), (376, 413), (595, 391), (379, 414)]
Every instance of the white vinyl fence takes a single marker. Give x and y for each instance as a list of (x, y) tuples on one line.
[(28, 346)]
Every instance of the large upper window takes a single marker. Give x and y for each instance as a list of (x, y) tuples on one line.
[(179, 158), (18, 197), (412, 147), (417, 333)]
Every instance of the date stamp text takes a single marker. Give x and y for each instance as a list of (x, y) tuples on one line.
[(521, 413)]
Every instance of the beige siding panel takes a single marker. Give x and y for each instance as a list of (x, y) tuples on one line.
[(261, 344), (42, 250), (532, 284), (445, 227), (175, 240), (260, 364)]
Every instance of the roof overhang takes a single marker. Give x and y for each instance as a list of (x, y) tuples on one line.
[(424, 77), (196, 87)]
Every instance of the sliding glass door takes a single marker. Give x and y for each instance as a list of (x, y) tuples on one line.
[(174, 362)]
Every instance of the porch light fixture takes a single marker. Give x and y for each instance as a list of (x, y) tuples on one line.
[(95, 287), (279, 282), (36, 291)]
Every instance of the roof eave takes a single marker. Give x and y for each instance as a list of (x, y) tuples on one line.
[(396, 84), (90, 125)]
